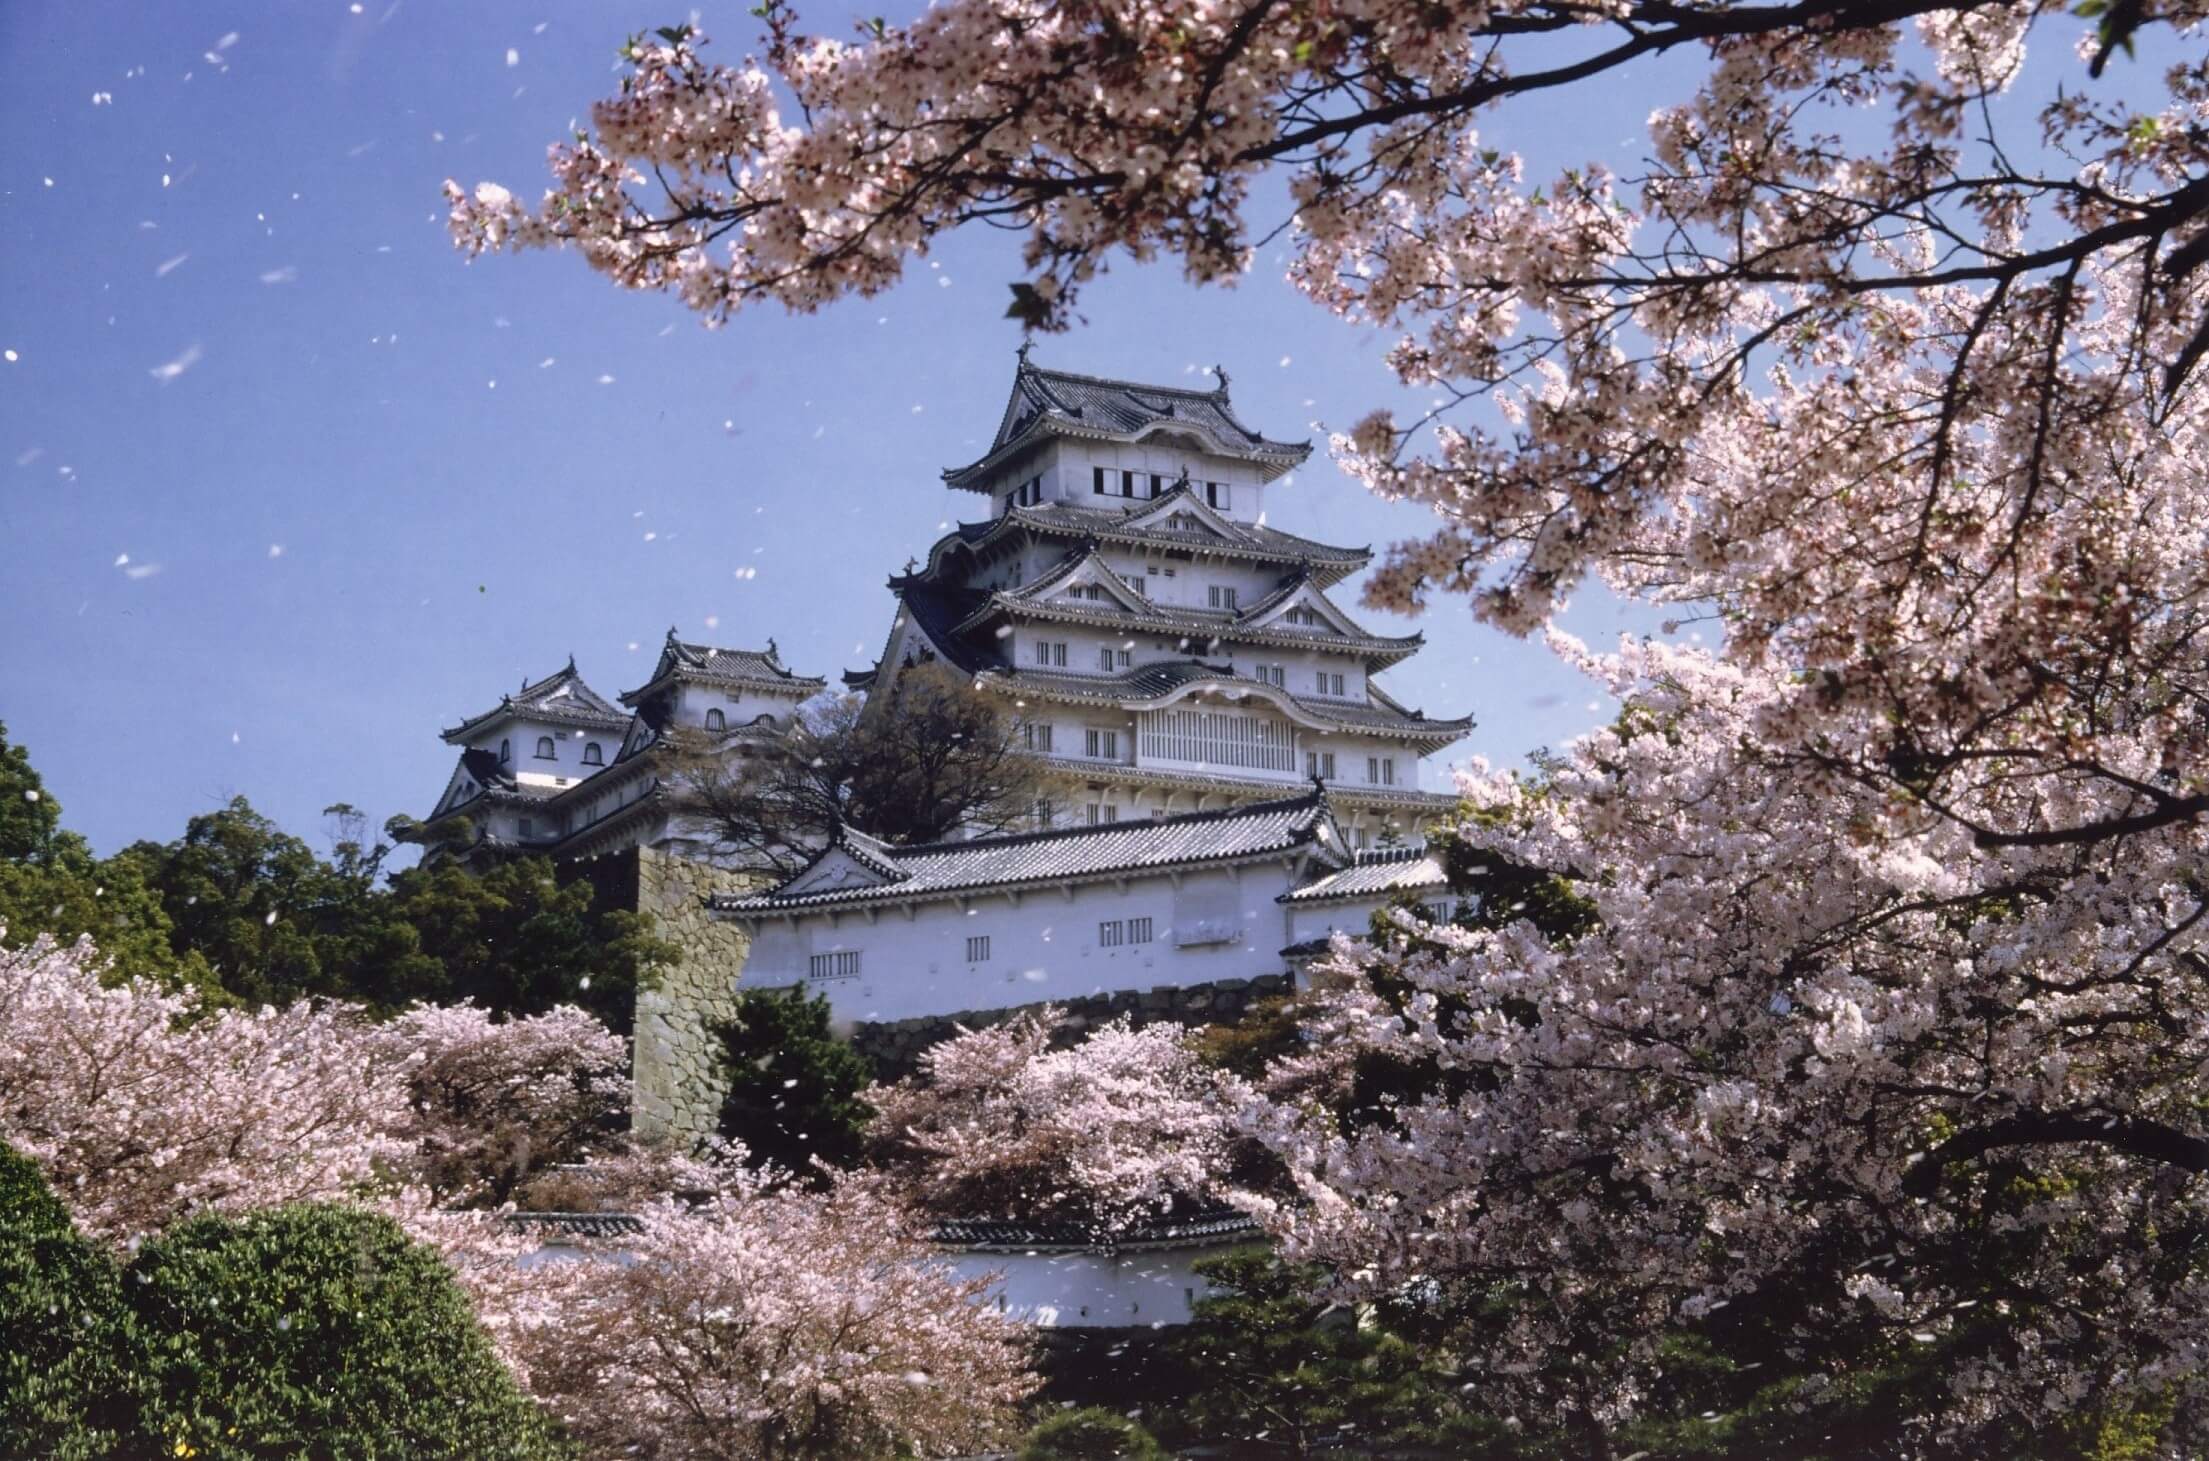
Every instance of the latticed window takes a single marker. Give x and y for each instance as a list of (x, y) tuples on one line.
[(843, 964), (1218, 738), (1139, 930), (1111, 934), (977, 949)]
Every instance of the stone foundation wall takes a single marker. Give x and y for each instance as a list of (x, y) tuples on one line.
[(678, 1092), (895, 1046)]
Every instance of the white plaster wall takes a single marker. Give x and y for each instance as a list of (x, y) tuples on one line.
[(1163, 457), (565, 767), (739, 705), (1044, 946), (1049, 1290), (1091, 1290), (1310, 921)]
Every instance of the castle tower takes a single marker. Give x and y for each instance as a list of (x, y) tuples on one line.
[(1165, 648)]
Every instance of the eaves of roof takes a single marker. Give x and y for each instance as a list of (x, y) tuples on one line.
[(1154, 686), (1208, 1228), (1070, 855)]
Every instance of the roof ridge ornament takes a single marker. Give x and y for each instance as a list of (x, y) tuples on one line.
[(1221, 372)]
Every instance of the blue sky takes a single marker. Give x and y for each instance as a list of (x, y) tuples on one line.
[(286, 486)]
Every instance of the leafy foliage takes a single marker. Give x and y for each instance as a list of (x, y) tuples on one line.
[(912, 764), (795, 1090), (1276, 1366), (1090, 1433), (59, 1307), (320, 1330), (249, 913)]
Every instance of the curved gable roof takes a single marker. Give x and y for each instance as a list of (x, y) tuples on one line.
[(1061, 403)]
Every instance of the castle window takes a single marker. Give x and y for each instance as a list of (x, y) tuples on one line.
[(1103, 745), (1216, 494), (1127, 484), (1320, 764), (1220, 595), (1328, 684), (1274, 675), (1111, 934), (977, 949), (843, 965), (1099, 480), (544, 748), (1158, 484), (593, 756), (1036, 737), (716, 721), (506, 752), (1051, 652), (529, 828), (1380, 770), (1139, 930), (1042, 812)]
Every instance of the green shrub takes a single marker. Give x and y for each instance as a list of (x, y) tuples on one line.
[(794, 1088), (314, 1330), (1090, 1434), (58, 1309)]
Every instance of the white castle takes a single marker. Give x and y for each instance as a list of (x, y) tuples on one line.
[(1225, 784)]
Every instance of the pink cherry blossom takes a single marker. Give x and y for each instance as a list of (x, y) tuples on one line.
[(753, 1322), (997, 1124)]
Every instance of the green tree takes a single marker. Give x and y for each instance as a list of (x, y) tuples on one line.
[(51, 883), (1090, 1434), (59, 1306), (1271, 1363), (314, 1330), (794, 1088), (517, 940)]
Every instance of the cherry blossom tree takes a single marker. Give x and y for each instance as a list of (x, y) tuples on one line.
[(142, 1106), (1884, 991), (492, 1102), (997, 1124), (757, 1322)]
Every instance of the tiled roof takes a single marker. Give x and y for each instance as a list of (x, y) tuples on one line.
[(1380, 715), (575, 1224), (1109, 524), (1208, 625), (1058, 402), (945, 868), (560, 697), (1377, 873), (1342, 794), (1205, 1228), (723, 666)]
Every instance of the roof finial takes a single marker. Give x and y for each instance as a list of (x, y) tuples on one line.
[(571, 662), (1022, 352), (1221, 372), (774, 655)]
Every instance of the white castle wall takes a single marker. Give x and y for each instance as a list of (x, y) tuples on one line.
[(1092, 1290), (1217, 924)]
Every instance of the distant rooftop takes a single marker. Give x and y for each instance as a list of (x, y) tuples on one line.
[(1061, 403), (763, 667), (560, 697), (947, 868)]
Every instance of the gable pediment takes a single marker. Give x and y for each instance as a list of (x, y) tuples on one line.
[(1182, 511)]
